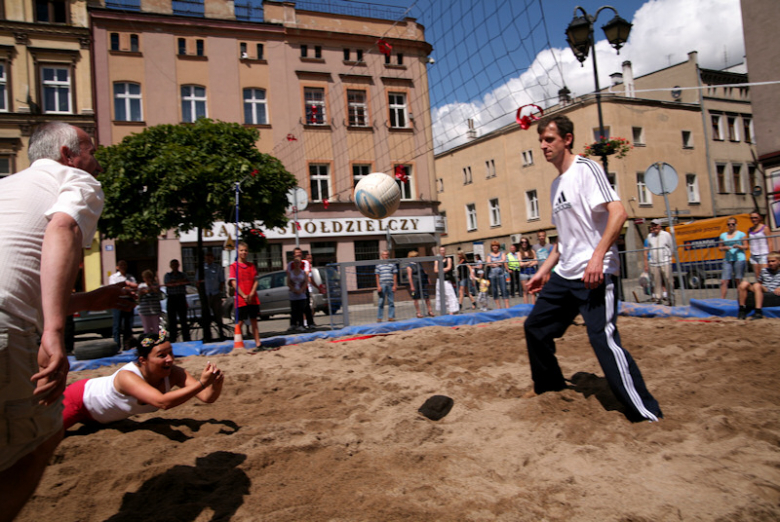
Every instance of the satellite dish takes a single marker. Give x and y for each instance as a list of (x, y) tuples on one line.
[(676, 92)]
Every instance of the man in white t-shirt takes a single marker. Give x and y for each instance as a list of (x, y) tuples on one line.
[(589, 217), (48, 213), (658, 262)]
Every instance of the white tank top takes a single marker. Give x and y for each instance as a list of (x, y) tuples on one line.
[(758, 243), (105, 404)]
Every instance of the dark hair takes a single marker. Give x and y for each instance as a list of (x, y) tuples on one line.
[(562, 123), (149, 340), (528, 244)]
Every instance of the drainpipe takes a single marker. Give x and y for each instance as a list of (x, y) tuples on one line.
[(692, 56)]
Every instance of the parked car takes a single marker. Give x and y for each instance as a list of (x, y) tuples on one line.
[(274, 297)]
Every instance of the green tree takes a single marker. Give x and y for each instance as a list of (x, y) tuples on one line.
[(183, 177)]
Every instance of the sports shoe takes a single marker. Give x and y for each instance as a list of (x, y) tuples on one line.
[(758, 315), (742, 314)]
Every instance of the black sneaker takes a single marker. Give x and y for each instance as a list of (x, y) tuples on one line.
[(742, 314), (758, 315)]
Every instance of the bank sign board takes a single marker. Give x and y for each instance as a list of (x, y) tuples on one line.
[(316, 228)]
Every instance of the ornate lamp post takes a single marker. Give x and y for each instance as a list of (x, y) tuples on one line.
[(580, 37)]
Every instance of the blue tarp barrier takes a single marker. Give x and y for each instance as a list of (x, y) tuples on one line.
[(699, 308)]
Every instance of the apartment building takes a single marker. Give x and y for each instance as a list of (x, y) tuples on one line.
[(45, 75), (335, 97), (497, 186)]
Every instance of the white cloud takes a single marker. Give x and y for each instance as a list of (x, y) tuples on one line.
[(664, 32)]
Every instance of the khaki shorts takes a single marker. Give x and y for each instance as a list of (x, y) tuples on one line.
[(24, 424)]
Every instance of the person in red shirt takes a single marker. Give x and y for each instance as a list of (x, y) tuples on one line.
[(248, 302)]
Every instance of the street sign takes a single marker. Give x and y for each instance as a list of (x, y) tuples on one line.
[(661, 178), (298, 199)]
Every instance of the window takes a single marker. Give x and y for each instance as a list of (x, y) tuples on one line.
[(304, 51), (255, 112), (531, 205), (359, 172), (612, 179), (638, 135), (260, 51), (358, 110), (359, 53), (188, 7), (346, 55), (439, 185), (490, 168), (751, 177), (314, 99), (242, 50), (397, 102), (114, 41), (366, 251), (720, 172), (739, 179), (466, 175), (3, 88), (731, 127), (268, 259), (747, 129), (52, 11), (317, 51), (182, 46), (643, 193), (199, 47), (400, 58), (495, 213), (127, 102), (597, 134), (405, 186), (717, 127), (692, 187), (687, 139), (56, 89), (134, 47), (320, 183), (6, 166), (528, 158), (471, 217), (193, 103)]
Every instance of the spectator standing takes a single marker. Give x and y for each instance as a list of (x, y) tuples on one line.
[(465, 281), (48, 213), (418, 280), (759, 246), (449, 293), (513, 267), (496, 263), (733, 244), (484, 286), (658, 262), (542, 249), (589, 217), (527, 269), (248, 302), (297, 282), (306, 264), (123, 320), (176, 283), (386, 283), (149, 297), (766, 290), (214, 286)]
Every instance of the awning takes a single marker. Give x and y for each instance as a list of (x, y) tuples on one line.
[(413, 239)]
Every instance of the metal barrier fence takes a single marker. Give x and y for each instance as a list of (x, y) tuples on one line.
[(695, 272)]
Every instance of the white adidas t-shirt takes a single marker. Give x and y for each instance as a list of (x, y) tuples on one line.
[(579, 201)]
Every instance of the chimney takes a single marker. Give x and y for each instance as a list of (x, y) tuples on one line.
[(617, 78), (564, 96), (471, 133), (628, 79)]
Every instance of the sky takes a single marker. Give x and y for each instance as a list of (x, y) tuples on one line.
[(493, 56)]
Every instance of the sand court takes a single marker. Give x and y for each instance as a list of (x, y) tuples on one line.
[(325, 431)]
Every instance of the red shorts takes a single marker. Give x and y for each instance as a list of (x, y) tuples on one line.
[(73, 401)]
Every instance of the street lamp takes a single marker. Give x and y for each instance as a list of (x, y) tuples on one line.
[(579, 34)]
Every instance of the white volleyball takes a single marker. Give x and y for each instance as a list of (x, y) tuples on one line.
[(377, 195)]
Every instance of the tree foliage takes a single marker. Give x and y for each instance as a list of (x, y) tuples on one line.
[(183, 177)]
